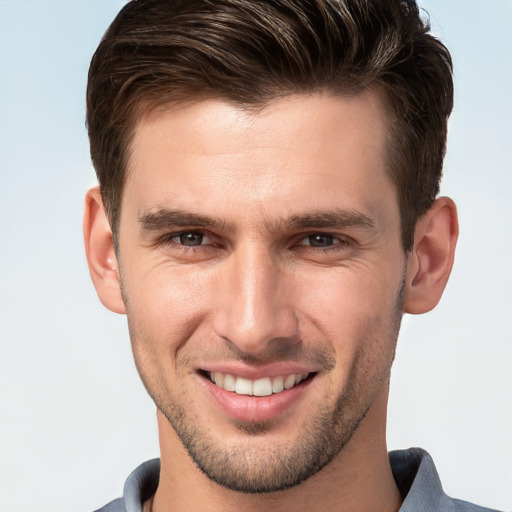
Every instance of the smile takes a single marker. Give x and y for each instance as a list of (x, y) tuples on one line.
[(265, 386)]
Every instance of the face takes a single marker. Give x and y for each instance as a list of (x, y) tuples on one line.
[(262, 271)]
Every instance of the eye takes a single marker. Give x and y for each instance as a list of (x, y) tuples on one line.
[(321, 240), (190, 238)]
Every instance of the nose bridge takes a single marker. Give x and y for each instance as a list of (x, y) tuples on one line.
[(256, 308)]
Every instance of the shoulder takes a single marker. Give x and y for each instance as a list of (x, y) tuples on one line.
[(464, 506), (417, 478), (113, 506), (140, 485)]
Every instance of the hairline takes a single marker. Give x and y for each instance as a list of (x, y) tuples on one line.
[(144, 108)]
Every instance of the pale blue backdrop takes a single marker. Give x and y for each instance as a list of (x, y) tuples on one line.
[(74, 418)]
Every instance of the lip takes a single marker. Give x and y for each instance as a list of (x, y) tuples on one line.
[(254, 409), (255, 372)]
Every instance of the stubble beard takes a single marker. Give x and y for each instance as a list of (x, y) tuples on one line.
[(254, 466)]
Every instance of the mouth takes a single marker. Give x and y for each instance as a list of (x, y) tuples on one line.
[(265, 386), (257, 395)]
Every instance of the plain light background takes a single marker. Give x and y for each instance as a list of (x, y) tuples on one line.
[(74, 418)]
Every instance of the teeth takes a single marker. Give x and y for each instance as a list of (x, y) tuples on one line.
[(261, 387), (218, 378), (243, 386), (277, 384), (229, 383), (290, 382)]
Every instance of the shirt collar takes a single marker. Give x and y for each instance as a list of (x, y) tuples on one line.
[(413, 470), (417, 479)]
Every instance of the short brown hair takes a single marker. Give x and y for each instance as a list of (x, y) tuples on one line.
[(249, 52)]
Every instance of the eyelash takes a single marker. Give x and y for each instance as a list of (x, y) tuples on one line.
[(338, 241), (168, 240)]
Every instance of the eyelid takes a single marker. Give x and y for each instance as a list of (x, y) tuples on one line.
[(339, 239), (168, 238), (210, 239)]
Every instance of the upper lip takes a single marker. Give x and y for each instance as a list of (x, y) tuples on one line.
[(255, 372)]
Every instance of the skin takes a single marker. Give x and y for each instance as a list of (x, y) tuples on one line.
[(254, 191)]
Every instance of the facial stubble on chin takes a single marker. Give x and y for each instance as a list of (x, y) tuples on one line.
[(253, 465)]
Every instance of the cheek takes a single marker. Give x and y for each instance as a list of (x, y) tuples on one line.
[(342, 300), (352, 311), (166, 305)]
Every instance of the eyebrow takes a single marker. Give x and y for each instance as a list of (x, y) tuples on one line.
[(156, 220), (165, 219), (337, 219)]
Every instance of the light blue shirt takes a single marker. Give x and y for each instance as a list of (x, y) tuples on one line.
[(413, 469)]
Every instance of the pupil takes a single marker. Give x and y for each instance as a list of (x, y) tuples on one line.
[(320, 240), (191, 239)]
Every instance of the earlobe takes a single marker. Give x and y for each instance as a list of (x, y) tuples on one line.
[(100, 252), (430, 263)]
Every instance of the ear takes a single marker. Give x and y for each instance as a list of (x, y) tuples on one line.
[(431, 260), (101, 256)]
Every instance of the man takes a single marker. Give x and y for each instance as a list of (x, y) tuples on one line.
[(267, 211)]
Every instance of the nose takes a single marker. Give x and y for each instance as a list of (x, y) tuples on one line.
[(256, 302)]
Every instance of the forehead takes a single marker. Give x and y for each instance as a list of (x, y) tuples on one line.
[(291, 150), (284, 121)]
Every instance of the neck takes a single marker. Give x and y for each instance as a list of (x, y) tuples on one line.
[(359, 479)]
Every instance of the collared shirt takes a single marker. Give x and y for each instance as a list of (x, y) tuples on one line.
[(413, 469)]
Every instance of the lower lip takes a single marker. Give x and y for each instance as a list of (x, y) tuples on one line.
[(255, 409)]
